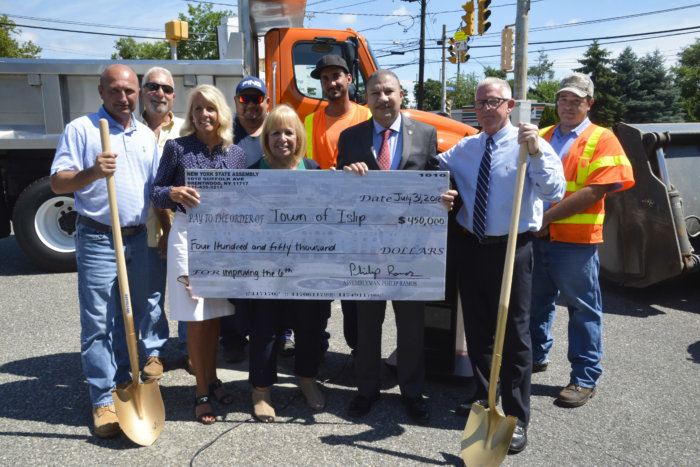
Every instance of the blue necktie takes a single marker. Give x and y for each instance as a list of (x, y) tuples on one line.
[(482, 191)]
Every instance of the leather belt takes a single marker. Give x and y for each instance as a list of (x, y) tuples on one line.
[(126, 231), (492, 240)]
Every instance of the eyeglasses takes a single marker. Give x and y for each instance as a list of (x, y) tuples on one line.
[(153, 87), (250, 98), (492, 103)]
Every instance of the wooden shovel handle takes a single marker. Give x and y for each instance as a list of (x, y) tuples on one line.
[(507, 280), (121, 262)]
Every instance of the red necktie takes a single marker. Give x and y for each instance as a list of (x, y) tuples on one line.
[(384, 157)]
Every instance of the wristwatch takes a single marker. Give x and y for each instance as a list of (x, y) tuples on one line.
[(537, 154)]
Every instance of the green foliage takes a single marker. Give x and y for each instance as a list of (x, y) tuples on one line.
[(9, 47), (432, 92), (201, 44), (647, 90), (494, 72), (545, 91), (202, 23), (129, 49), (404, 101), (542, 71), (464, 84), (687, 78), (607, 108), (549, 117)]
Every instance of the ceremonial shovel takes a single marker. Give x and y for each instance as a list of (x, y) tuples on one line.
[(488, 432), (139, 406)]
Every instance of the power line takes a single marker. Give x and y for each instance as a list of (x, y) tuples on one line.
[(96, 33), (79, 23)]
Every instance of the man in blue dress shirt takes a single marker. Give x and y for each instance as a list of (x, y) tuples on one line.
[(492, 156), (80, 167)]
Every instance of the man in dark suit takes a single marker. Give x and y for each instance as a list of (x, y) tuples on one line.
[(389, 141)]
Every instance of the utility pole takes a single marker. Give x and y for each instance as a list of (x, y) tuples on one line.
[(443, 93), (421, 56), (521, 38)]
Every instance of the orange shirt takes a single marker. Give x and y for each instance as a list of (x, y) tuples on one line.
[(323, 133)]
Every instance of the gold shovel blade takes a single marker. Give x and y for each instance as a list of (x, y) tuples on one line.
[(140, 411), (486, 437)]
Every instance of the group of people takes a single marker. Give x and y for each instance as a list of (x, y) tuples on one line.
[(571, 168)]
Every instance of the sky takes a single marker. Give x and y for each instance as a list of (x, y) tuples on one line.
[(389, 25)]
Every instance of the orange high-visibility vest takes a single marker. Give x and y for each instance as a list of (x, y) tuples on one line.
[(595, 158), (318, 147)]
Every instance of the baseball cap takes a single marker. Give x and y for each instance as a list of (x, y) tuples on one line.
[(251, 82), (577, 83), (329, 60)]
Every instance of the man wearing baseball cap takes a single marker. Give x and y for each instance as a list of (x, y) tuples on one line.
[(323, 127), (565, 250), (252, 104)]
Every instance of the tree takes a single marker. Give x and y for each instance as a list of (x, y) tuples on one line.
[(129, 49), (632, 97), (405, 101), (202, 25), (494, 72), (201, 45), (9, 47), (464, 85), (687, 78), (545, 91), (432, 94), (607, 108), (542, 70), (662, 100)]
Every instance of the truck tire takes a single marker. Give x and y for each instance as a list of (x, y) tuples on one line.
[(44, 225)]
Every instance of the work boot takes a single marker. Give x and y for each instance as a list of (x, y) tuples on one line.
[(574, 396), (106, 422), (153, 369)]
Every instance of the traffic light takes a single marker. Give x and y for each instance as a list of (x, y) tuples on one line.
[(468, 19), (451, 50), (484, 14), (464, 50), (507, 49)]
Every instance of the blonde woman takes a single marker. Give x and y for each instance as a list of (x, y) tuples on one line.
[(206, 144), (284, 145)]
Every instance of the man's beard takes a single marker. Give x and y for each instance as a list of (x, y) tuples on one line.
[(160, 108)]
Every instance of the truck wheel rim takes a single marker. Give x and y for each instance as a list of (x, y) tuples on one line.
[(54, 223)]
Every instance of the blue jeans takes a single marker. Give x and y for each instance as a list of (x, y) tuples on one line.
[(154, 325), (571, 270), (103, 351)]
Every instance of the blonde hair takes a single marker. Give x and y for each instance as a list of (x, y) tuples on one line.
[(215, 97), (284, 115)]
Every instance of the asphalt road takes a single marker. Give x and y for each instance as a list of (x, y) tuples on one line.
[(646, 411)]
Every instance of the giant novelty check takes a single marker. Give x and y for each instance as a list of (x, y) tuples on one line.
[(320, 235)]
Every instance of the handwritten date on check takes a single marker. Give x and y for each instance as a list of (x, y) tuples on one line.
[(318, 235)]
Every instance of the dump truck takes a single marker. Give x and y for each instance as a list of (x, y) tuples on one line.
[(41, 96)]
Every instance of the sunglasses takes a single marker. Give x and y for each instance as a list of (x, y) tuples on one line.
[(153, 87), (250, 99)]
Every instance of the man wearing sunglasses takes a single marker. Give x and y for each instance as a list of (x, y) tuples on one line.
[(157, 94), (484, 167), (252, 104)]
